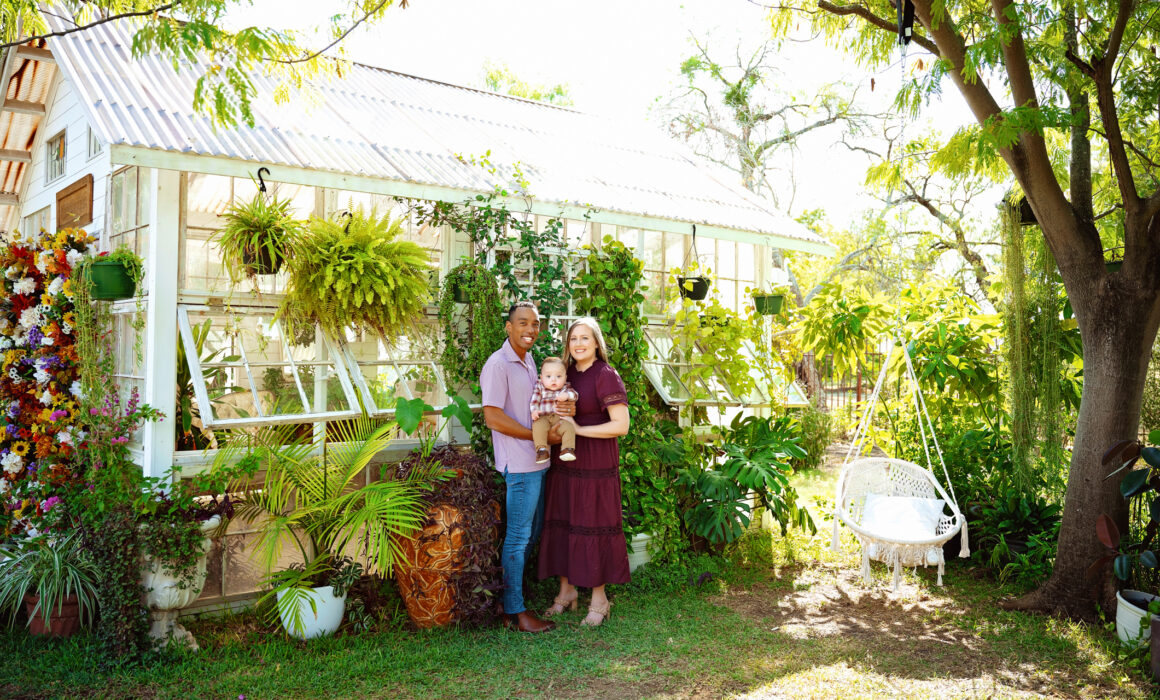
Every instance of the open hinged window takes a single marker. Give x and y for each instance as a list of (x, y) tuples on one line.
[(668, 366), (246, 371), (406, 369)]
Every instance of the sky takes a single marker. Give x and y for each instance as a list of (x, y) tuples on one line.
[(618, 58)]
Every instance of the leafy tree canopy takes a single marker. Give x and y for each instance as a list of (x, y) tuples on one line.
[(498, 77), (190, 34)]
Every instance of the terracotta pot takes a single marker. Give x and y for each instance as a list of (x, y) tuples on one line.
[(429, 560), (63, 621)]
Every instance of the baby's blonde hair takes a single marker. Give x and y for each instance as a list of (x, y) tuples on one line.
[(552, 361)]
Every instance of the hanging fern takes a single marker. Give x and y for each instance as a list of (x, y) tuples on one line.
[(357, 274)]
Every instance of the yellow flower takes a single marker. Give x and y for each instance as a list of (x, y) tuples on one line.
[(67, 289), (20, 448), (46, 299), (61, 239), (70, 318)]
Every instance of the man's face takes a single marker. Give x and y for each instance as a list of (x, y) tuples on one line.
[(523, 329), (552, 375)]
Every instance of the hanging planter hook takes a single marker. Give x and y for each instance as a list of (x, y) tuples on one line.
[(261, 182)]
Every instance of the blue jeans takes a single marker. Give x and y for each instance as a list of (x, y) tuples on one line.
[(525, 519)]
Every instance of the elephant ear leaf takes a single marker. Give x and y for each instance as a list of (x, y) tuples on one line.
[(460, 410), (409, 413)]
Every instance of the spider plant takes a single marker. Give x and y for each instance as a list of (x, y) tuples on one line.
[(52, 571), (255, 235)]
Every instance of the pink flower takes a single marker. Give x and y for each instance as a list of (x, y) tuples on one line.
[(50, 503), (120, 440)]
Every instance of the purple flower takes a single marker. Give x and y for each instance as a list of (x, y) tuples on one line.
[(50, 503), (57, 415), (35, 336)]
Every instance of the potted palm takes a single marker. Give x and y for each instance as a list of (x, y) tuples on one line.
[(359, 275), (256, 235), (53, 580), (309, 497)]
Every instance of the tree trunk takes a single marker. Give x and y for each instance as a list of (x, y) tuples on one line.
[(1118, 325)]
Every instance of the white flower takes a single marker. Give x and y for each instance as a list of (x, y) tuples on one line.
[(5, 487), (46, 340), (75, 389), (11, 272), (64, 438), (56, 286), (65, 327), (26, 285), (30, 317), (12, 463), (73, 257), (42, 377), (46, 397), (42, 262), (6, 342)]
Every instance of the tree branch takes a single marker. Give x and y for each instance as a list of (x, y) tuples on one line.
[(95, 23), (366, 16), (1015, 57), (881, 23)]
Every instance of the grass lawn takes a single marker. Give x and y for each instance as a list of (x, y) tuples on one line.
[(780, 617)]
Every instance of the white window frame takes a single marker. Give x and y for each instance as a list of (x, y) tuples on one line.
[(51, 173), (201, 391), (95, 146), (715, 394), (43, 216), (398, 362)]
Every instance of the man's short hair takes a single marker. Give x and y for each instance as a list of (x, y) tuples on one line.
[(521, 305)]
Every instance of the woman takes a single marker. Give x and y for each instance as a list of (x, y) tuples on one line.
[(583, 539)]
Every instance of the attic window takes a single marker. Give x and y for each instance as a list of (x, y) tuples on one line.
[(54, 160), (95, 146)]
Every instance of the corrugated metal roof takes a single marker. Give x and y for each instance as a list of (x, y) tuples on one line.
[(381, 124)]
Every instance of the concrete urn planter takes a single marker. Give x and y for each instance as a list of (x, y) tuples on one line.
[(165, 598)]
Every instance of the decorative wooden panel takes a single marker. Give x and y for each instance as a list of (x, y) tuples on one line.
[(74, 204)]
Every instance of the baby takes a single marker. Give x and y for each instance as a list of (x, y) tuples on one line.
[(553, 386)]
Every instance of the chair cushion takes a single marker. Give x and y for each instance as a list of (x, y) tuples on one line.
[(902, 518)]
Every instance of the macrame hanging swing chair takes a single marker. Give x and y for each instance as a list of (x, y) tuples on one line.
[(897, 508)]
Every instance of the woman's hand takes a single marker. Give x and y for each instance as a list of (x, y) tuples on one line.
[(565, 407)]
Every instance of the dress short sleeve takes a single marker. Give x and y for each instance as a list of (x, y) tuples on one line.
[(610, 388)]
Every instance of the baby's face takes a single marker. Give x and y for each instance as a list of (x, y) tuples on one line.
[(553, 377)]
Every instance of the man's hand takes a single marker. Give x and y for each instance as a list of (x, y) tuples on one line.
[(565, 408)]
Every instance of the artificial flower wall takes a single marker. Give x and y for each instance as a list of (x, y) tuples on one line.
[(39, 387)]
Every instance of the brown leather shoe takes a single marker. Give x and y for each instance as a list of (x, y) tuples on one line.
[(526, 621), (543, 454)]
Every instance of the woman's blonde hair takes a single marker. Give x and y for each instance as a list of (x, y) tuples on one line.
[(594, 326)]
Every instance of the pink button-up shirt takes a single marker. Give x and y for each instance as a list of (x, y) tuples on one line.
[(506, 382)]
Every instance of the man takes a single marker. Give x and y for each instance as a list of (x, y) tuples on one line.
[(507, 381)]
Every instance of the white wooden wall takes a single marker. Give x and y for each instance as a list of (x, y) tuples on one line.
[(63, 111)]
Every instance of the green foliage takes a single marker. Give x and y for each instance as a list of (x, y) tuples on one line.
[(358, 275), (471, 331), (192, 37), (500, 78), (613, 294), (263, 228), (309, 496), (709, 338), (749, 459), (50, 570), (843, 323), (815, 433), (1132, 554)]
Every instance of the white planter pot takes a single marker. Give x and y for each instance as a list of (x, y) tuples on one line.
[(638, 551), (165, 597), (1131, 608), (325, 617)]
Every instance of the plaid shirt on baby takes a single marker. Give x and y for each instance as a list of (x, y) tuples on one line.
[(544, 400)]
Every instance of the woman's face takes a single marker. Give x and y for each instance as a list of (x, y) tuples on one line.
[(582, 344)]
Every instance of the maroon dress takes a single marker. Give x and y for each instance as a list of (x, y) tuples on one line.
[(583, 535)]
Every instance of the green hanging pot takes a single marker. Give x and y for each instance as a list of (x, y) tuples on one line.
[(768, 304), (109, 280), (459, 292), (262, 261)]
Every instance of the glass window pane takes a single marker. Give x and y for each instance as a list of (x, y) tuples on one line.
[(676, 247), (726, 259), (653, 254), (206, 197), (747, 263)]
